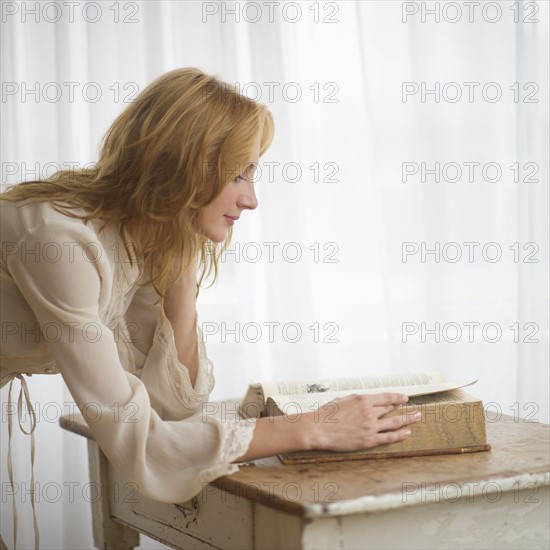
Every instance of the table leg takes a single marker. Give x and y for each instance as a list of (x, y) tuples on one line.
[(108, 534)]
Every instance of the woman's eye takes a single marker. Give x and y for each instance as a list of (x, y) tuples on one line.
[(238, 179)]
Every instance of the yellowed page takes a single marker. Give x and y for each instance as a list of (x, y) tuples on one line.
[(345, 384), (290, 404)]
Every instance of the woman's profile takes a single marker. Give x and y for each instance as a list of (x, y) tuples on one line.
[(99, 274)]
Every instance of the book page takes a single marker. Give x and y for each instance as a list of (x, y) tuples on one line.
[(291, 404), (346, 384)]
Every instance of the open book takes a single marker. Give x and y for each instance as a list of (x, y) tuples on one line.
[(452, 421)]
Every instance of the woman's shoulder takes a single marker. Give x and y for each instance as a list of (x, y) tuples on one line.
[(19, 218), (33, 225)]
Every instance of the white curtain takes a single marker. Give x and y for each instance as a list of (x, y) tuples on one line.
[(403, 217)]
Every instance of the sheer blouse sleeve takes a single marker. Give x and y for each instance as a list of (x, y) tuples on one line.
[(151, 424)]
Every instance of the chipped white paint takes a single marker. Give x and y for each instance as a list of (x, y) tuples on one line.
[(509, 520), (213, 519), (392, 501), (503, 512), (511, 523)]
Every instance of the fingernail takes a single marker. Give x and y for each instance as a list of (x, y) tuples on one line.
[(417, 414), (408, 432)]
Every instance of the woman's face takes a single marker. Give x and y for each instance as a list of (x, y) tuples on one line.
[(237, 195)]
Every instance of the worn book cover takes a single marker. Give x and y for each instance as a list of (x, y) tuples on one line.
[(452, 420)]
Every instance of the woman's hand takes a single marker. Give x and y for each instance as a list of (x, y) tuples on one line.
[(349, 423), (358, 422)]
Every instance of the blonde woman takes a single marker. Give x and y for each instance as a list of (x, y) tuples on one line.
[(106, 259)]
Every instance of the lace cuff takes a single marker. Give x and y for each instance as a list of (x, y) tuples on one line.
[(235, 438)]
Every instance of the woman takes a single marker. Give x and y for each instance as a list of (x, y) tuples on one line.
[(99, 284)]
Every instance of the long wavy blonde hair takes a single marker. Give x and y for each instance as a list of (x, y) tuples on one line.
[(169, 153)]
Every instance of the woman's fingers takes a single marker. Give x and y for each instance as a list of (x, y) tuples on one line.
[(391, 437), (377, 399), (388, 398), (379, 403), (382, 410), (397, 421), (364, 422)]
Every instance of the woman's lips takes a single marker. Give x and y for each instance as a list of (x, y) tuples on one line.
[(230, 220)]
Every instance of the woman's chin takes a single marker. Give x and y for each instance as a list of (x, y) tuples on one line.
[(215, 236)]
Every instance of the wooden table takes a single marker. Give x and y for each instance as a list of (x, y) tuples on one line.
[(498, 499)]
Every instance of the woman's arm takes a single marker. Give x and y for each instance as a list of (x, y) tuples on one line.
[(180, 310), (349, 424), (168, 460)]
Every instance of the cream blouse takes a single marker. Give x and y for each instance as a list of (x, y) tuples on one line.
[(70, 305)]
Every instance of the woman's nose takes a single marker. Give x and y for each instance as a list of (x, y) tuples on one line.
[(248, 199)]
